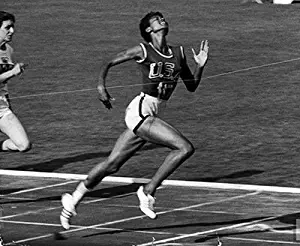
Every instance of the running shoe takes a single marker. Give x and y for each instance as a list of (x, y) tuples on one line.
[(146, 203), (68, 210)]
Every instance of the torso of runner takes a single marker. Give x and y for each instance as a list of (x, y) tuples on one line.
[(6, 64), (160, 72)]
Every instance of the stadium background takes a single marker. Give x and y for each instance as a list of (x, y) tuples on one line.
[(243, 119)]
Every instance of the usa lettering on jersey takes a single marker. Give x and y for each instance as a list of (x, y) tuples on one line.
[(161, 70)]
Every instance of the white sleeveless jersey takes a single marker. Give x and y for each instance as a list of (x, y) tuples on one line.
[(6, 64)]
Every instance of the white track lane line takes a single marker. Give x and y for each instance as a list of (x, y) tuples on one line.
[(59, 207), (124, 86), (39, 188), (138, 217), (252, 68), (149, 232), (96, 228), (167, 182), (53, 208), (210, 231), (261, 240)]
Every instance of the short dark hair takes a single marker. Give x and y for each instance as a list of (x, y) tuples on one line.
[(144, 24), (4, 16)]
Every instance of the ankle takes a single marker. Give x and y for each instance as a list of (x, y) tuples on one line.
[(79, 193)]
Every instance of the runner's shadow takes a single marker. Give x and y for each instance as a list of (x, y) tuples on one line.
[(52, 165), (220, 235), (121, 190), (256, 228), (203, 224), (290, 218), (243, 231), (8, 200), (240, 174)]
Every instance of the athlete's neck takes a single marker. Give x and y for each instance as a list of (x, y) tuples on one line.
[(161, 45)]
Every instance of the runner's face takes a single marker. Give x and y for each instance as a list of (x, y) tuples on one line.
[(158, 23), (7, 30)]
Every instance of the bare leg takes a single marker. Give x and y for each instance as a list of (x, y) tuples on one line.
[(125, 147), (127, 144), (158, 131), (12, 127)]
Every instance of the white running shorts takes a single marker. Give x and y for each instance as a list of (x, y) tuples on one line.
[(4, 106), (141, 107)]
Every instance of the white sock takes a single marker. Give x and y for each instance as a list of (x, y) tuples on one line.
[(79, 193)]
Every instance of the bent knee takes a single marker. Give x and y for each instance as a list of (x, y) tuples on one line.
[(188, 149)]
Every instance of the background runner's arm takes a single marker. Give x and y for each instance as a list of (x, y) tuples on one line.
[(16, 70)]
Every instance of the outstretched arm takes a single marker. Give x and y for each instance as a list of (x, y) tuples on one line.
[(134, 53), (190, 80)]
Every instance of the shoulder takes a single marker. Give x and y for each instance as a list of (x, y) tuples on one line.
[(130, 53), (133, 51), (143, 47)]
